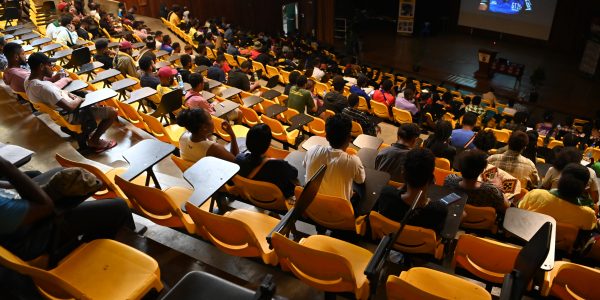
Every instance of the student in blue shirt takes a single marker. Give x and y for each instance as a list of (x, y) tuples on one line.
[(460, 137)]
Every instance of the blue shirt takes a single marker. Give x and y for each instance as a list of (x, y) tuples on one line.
[(357, 90), (12, 212), (216, 73), (460, 137), (167, 48)]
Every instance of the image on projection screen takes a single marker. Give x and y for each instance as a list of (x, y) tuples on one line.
[(529, 18)]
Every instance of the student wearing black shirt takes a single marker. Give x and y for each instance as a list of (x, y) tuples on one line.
[(238, 78), (394, 203), (104, 54), (276, 171), (185, 70)]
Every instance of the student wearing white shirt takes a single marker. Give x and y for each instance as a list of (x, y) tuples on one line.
[(66, 34), (342, 168), (51, 29)]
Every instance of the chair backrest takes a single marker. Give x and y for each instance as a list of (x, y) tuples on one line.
[(321, 89), (156, 128), (259, 67), (276, 128), (380, 109), (230, 235), (401, 116), (326, 114), (566, 235), (56, 117), (285, 75), (555, 143), (413, 239), (273, 152), (230, 59), (479, 218), (443, 163), (260, 193), (132, 115), (330, 211), (288, 114), (487, 259), (416, 283), (356, 129), (362, 104), (241, 59), (48, 283), (573, 281), (320, 269), (181, 163), (501, 135), (317, 127), (441, 174), (218, 130), (249, 116), (272, 71), (155, 205), (111, 189), (594, 152)]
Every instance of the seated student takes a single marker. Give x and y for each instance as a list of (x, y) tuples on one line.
[(65, 33), (300, 99), (384, 94), (292, 82), (148, 49), (255, 165), (391, 159), (439, 141), (40, 90), (475, 106), (215, 72), (103, 53), (364, 119), (147, 77), (563, 158), (238, 78), (17, 72), (186, 67), (166, 44), (358, 88), (194, 99), (123, 60), (514, 163), (406, 101), (568, 203), (201, 59), (460, 137), (546, 127), (176, 48), (342, 168), (166, 75), (335, 99), (471, 164), (26, 216), (196, 142), (394, 203), (189, 50)]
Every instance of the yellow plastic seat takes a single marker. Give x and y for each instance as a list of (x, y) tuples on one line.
[(327, 114), (160, 207), (381, 110), (272, 72), (356, 129), (56, 117), (325, 263), (273, 152), (401, 116), (333, 213), (230, 60), (249, 116), (487, 259), (571, 281), (260, 193), (287, 115), (594, 152), (131, 114), (443, 163), (555, 143), (111, 190), (417, 283), (362, 104), (101, 269), (502, 135), (566, 235), (279, 131), (239, 232), (238, 130), (168, 134), (181, 163), (285, 76), (413, 239), (316, 127), (481, 218), (321, 89), (241, 59), (441, 174)]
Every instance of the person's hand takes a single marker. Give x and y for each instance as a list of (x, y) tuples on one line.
[(377, 129), (68, 80), (227, 128)]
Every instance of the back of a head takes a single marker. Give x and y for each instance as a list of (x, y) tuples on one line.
[(338, 83), (258, 139), (361, 80), (409, 93), (570, 140), (485, 140), (101, 44), (447, 97), (469, 119), (145, 63), (337, 130), (573, 180), (293, 78), (565, 157), (387, 85), (517, 141), (185, 60), (150, 42), (166, 39), (442, 130), (11, 49), (471, 163), (193, 119), (66, 20), (220, 58), (548, 117), (301, 81), (353, 100), (418, 167), (195, 79), (408, 132), (476, 100), (467, 100), (246, 65)]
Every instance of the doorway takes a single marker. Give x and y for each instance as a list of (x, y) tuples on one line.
[(290, 18)]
